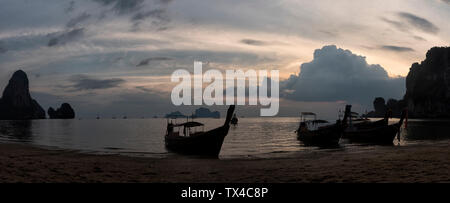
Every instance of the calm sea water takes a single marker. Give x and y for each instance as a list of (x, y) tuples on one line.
[(253, 137)]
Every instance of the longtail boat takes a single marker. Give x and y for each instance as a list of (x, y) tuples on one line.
[(192, 141), (375, 134), (324, 136)]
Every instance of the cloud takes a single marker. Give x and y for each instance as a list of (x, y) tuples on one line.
[(396, 48), (79, 19), (2, 48), (419, 23), (446, 1), (407, 21), (83, 82), (70, 7), (159, 18), (397, 24), (148, 60), (141, 10), (339, 75), (65, 37), (419, 38), (122, 6), (253, 42)]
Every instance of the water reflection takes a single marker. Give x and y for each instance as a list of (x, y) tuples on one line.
[(17, 130), (253, 137)]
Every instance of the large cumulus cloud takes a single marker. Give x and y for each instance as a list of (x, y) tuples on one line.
[(339, 75)]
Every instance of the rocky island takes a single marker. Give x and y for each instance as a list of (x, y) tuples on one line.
[(16, 102), (175, 114), (64, 112), (199, 113), (206, 113)]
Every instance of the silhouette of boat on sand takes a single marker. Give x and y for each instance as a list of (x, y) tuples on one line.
[(192, 141), (310, 134)]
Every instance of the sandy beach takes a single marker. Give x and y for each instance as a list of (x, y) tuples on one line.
[(24, 163)]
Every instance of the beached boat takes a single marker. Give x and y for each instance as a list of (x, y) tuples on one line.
[(234, 120), (192, 141), (310, 133), (367, 124), (378, 133)]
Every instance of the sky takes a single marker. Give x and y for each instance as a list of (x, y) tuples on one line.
[(115, 57)]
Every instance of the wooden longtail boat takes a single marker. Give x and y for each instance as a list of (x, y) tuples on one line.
[(373, 124), (199, 143), (382, 134), (322, 136)]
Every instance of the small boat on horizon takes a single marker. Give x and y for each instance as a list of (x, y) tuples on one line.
[(192, 141), (310, 133)]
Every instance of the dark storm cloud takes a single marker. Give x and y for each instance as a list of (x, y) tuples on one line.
[(148, 60), (419, 22), (84, 82), (65, 37), (339, 75), (396, 48), (253, 42), (77, 20)]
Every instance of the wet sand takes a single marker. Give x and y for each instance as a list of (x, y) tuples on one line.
[(427, 163)]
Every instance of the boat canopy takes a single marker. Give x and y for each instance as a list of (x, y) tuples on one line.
[(189, 124)]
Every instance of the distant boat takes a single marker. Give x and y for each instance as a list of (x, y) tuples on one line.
[(310, 133), (234, 120), (98, 118), (375, 133), (192, 141), (125, 117)]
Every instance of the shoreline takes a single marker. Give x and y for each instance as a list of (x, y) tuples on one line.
[(422, 163)]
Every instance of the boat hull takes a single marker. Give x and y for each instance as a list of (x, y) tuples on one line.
[(378, 135), (207, 144), (329, 136)]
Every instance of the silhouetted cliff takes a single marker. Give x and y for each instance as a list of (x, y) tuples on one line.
[(427, 88), (428, 85), (16, 102)]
